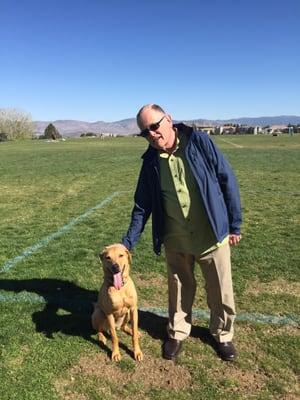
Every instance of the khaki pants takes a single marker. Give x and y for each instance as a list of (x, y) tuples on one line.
[(216, 270)]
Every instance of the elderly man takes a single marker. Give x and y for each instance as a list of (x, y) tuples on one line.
[(189, 188)]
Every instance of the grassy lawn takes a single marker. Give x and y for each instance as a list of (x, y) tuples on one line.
[(48, 348)]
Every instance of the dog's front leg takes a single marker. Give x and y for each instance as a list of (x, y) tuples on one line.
[(115, 356), (138, 355), (129, 302)]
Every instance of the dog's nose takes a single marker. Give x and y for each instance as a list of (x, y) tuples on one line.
[(115, 268)]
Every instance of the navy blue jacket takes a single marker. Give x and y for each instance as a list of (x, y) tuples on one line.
[(217, 187)]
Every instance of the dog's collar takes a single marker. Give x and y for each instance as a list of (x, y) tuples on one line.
[(124, 282)]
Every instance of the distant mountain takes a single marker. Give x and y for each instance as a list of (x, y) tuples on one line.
[(258, 121), (128, 126), (76, 128)]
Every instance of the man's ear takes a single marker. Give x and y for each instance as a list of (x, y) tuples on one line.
[(169, 117)]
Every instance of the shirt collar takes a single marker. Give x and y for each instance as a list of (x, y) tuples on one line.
[(166, 154)]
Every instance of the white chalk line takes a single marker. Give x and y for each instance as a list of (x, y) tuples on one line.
[(232, 143), (26, 297), (80, 304), (250, 317), (46, 240)]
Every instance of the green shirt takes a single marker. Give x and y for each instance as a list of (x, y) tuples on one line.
[(187, 228)]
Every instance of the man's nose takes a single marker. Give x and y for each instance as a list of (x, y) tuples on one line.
[(153, 134)]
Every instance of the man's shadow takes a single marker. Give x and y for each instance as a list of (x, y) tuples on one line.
[(156, 327), (68, 308)]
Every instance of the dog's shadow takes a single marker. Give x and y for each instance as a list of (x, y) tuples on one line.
[(68, 308)]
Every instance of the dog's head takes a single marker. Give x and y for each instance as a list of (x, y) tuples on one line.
[(116, 261)]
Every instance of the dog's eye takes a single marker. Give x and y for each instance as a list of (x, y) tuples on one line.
[(121, 255), (107, 257)]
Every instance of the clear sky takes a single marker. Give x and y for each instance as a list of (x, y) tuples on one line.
[(102, 59)]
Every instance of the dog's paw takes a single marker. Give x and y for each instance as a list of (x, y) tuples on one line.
[(127, 329), (116, 356), (138, 355), (102, 338)]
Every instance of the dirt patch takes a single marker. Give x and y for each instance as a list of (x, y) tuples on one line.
[(249, 332), (244, 382), (278, 330), (152, 281), (150, 373), (65, 390), (279, 286), (152, 291), (17, 362)]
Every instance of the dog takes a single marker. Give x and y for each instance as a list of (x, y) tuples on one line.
[(117, 301)]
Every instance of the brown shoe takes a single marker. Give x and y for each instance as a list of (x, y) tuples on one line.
[(226, 351), (171, 349)]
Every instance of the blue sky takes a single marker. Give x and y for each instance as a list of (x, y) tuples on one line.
[(102, 59)]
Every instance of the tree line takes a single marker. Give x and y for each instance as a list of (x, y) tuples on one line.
[(17, 124)]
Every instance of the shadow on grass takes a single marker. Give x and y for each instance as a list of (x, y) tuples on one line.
[(68, 308), (156, 327)]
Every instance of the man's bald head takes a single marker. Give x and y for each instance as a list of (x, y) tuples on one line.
[(154, 107)]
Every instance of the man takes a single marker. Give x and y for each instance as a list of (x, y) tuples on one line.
[(189, 188)]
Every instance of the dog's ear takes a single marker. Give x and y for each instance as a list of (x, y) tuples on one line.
[(129, 256), (102, 254)]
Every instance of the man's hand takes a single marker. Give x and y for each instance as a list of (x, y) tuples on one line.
[(234, 239)]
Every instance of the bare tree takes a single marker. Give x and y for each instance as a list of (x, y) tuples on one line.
[(16, 124)]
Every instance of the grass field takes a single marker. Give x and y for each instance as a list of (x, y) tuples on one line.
[(48, 349)]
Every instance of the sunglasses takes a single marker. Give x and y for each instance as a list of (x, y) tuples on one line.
[(151, 128)]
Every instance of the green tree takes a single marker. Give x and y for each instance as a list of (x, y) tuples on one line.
[(51, 133)]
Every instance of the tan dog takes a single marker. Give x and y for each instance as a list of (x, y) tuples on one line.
[(117, 301)]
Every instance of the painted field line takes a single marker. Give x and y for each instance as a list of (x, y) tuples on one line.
[(83, 305), (233, 144), (250, 317), (44, 241)]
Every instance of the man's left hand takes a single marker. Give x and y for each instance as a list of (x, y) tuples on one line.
[(234, 239)]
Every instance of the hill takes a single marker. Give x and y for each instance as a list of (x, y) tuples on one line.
[(128, 126)]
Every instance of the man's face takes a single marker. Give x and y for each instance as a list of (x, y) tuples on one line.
[(163, 138)]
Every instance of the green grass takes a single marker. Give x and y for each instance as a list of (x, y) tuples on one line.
[(49, 350)]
